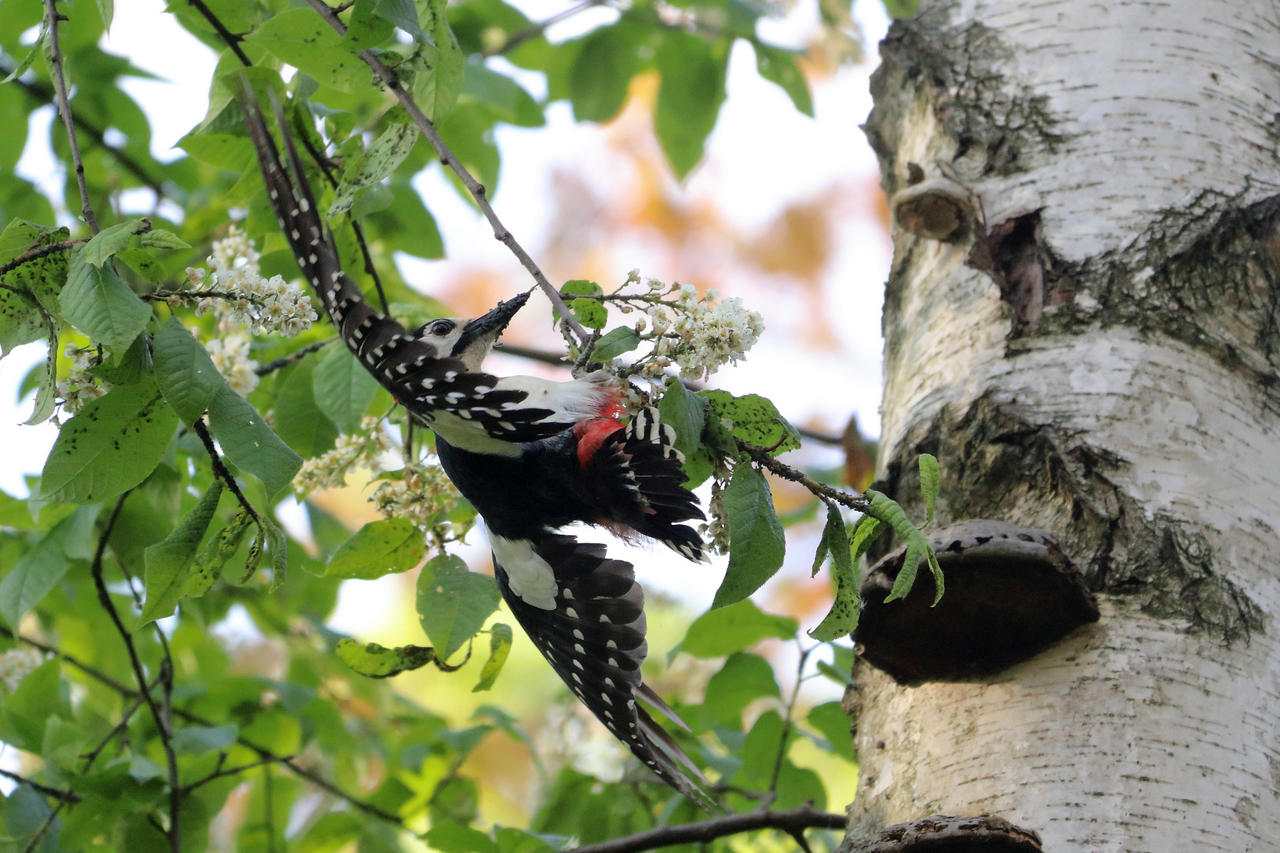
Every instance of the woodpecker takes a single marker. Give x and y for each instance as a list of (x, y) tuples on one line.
[(532, 456)]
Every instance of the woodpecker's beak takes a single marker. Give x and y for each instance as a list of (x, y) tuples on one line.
[(486, 328)]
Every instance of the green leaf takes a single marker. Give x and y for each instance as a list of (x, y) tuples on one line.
[(686, 413), (689, 97), (499, 649), (343, 389), (743, 679), (843, 618), (379, 548), (387, 151), (756, 543), (590, 312), (441, 66), (47, 388), (725, 630), (779, 66), (303, 39), (250, 443), (830, 720), (453, 603), (614, 343), (184, 371), (110, 241), (44, 564), (404, 15), (28, 708), (194, 740), (756, 420), (159, 238), (29, 298), (32, 53), (110, 446), (512, 840), (374, 661), (602, 72), (168, 563), (501, 95), (930, 477), (448, 836), (278, 549), (366, 28), (888, 511), (97, 302), (298, 419)]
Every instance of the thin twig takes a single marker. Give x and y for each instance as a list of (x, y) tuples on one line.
[(220, 471), (788, 724), (61, 794), (222, 772), (796, 820), (158, 714), (64, 107), (231, 39), (40, 252), (447, 158), (293, 357), (519, 37), (762, 458)]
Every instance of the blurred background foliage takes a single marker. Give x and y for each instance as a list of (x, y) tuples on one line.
[(277, 743)]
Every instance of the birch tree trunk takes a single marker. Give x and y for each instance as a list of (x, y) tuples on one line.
[(1083, 324)]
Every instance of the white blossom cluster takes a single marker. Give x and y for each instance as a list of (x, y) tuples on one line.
[(264, 305), (422, 494), (230, 355), (355, 450), (17, 663), (715, 530), (79, 386), (697, 332)]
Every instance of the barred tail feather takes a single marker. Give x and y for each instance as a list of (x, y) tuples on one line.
[(585, 613)]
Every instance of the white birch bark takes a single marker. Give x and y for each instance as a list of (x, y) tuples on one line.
[(1123, 393)]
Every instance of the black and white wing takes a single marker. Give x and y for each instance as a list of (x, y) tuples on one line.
[(585, 613)]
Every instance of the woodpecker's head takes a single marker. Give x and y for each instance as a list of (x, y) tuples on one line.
[(471, 340)]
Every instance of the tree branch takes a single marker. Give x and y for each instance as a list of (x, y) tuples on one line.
[(231, 39), (521, 36), (791, 822), (160, 716), (447, 158), (39, 252), (220, 471), (64, 107), (292, 358), (60, 794), (762, 458)]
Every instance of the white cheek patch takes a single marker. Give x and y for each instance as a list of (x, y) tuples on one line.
[(530, 577)]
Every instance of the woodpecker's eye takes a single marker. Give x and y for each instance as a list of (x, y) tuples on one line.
[(440, 327)]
